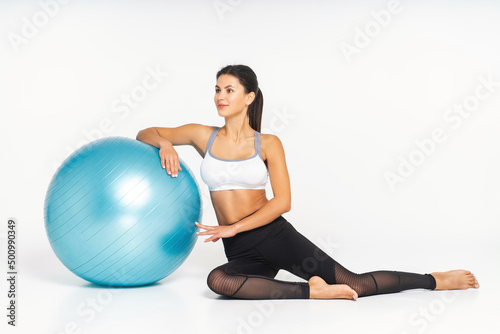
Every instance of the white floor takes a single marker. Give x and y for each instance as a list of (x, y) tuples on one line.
[(53, 300)]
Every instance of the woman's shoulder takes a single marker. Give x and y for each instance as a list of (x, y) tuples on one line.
[(269, 139), (270, 143), (199, 135), (201, 129), (202, 126)]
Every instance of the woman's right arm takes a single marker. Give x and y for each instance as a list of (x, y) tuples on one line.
[(166, 138)]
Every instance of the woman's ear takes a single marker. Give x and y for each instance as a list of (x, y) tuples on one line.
[(250, 98)]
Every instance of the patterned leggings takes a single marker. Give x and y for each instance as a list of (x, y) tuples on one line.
[(256, 256)]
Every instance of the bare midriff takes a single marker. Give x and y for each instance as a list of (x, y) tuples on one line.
[(235, 204)]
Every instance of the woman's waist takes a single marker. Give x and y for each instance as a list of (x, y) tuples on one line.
[(232, 206)]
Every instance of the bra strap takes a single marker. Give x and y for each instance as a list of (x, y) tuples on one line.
[(211, 139), (257, 143)]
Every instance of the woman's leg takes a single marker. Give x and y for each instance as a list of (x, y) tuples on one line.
[(250, 279), (251, 274), (293, 252)]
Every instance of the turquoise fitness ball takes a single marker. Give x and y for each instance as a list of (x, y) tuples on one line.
[(114, 216)]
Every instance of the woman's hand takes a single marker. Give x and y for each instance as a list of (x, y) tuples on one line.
[(217, 232), (169, 159)]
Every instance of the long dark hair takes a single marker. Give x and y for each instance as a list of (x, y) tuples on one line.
[(248, 79)]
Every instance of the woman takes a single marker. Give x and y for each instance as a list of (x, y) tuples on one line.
[(258, 241)]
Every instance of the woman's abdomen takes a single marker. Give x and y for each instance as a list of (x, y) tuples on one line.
[(233, 205)]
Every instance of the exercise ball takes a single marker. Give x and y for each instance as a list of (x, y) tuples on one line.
[(114, 216)]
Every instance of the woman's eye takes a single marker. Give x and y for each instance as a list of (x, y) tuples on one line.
[(218, 90)]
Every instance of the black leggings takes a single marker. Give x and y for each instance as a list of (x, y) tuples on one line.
[(256, 256)]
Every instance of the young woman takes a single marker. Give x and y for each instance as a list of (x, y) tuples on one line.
[(258, 241)]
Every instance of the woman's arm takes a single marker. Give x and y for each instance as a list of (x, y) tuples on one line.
[(187, 134), (279, 204), (165, 139)]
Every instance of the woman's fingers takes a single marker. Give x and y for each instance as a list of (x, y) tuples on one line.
[(170, 168), (206, 227), (214, 231), (174, 167), (167, 166), (213, 238), (177, 166), (170, 161), (171, 165), (205, 233), (210, 230)]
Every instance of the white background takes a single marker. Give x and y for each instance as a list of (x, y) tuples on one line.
[(345, 120)]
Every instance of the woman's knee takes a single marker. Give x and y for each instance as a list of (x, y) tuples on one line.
[(223, 283), (214, 277)]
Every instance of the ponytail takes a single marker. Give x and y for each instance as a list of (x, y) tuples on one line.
[(254, 111)]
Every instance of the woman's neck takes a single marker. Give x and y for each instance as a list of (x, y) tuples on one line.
[(237, 129)]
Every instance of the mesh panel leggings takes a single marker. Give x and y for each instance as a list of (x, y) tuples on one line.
[(256, 256)]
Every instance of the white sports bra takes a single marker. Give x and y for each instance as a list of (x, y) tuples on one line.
[(225, 174)]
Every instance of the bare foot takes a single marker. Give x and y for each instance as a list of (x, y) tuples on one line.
[(319, 289), (455, 279)]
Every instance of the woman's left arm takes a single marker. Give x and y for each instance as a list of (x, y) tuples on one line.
[(279, 204)]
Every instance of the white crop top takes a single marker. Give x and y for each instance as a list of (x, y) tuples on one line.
[(225, 174)]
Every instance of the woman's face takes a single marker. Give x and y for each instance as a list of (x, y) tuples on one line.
[(230, 97)]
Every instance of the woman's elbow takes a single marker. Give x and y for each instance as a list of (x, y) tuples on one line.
[(287, 206), (140, 135), (281, 204)]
